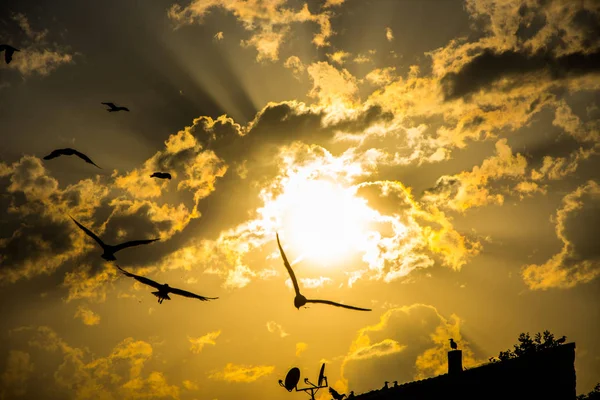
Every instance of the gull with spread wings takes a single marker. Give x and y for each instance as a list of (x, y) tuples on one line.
[(165, 289), (110, 250), (300, 300), (69, 152), (112, 107)]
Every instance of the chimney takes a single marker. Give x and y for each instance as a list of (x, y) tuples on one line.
[(455, 362)]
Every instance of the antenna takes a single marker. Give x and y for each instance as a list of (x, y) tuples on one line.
[(291, 379), (293, 376), (322, 376)]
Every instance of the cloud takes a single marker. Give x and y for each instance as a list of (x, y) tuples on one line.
[(189, 385), (578, 261), (16, 374), (295, 64), (84, 376), (470, 188), (269, 23), (339, 57), (36, 55), (87, 316), (389, 35), (332, 87), (197, 344), (219, 36), (300, 348), (407, 343), (241, 373), (274, 327), (35, 209)]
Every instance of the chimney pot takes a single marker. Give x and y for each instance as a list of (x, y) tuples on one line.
[(455, 362)]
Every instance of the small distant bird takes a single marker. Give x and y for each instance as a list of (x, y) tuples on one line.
[(453, 345), (69, 152), (161, 175), (110, 250), (561, 340), (300, 300), (385, 385), (395, 383), (164, 290), (114, 108), (335, 394), (351, 395), (8, 52)]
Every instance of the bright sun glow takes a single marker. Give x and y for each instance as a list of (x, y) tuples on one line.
[(323, 221)]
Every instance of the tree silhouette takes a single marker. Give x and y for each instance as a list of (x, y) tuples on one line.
[(593, 395), (529, 345)]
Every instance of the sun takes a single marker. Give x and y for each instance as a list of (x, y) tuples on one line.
[(324, 221)]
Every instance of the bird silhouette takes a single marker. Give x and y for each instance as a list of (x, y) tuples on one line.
[(8, 52), (453, 345), (165, 289), (300, 300), (395, 383), (351, 395), (561, 340), (385, 385), (69, 152), (113, 107), (335, 394), (110, 250), (161, 175)]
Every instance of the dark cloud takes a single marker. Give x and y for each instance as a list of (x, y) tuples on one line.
[(490, 67)]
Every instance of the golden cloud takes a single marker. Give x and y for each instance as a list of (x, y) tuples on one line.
[(197, 344), (241, 373), (274, 327), (18, 370), (578, 261), (87, 316)]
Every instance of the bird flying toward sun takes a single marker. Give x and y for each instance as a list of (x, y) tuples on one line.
[(69, 152), (165, 289), (110, 250), (300, 300), (161, 175)]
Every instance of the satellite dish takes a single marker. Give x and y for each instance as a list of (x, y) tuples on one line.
[(321, 375), (292, 378)]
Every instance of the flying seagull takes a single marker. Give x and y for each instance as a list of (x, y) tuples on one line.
[(110, 250), (115, 108), (453, 345), (69, 152), (300, 300), (161, 175), (8, 52), (164, 290)]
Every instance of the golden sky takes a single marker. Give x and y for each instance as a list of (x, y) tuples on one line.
[(435, 161)]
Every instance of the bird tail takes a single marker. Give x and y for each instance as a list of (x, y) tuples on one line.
[(159, 295)]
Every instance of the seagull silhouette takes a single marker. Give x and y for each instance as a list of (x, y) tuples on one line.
[(453, 345), (164, 290), (336, 395), (110, 250), (300, 300), (69, 152), (161, 175), (115, 108), (8, 52)]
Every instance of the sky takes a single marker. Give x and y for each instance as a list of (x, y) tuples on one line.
[(434, 161)]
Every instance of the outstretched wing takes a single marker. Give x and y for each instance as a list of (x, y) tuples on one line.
[(89, 233), (190, 294), (54, 154), (331, 303), (111, 105), (85, 158), (288, 266), (142, 279), (132, 243)]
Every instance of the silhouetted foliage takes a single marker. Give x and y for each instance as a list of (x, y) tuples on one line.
[(593, 395), (529, 345)]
